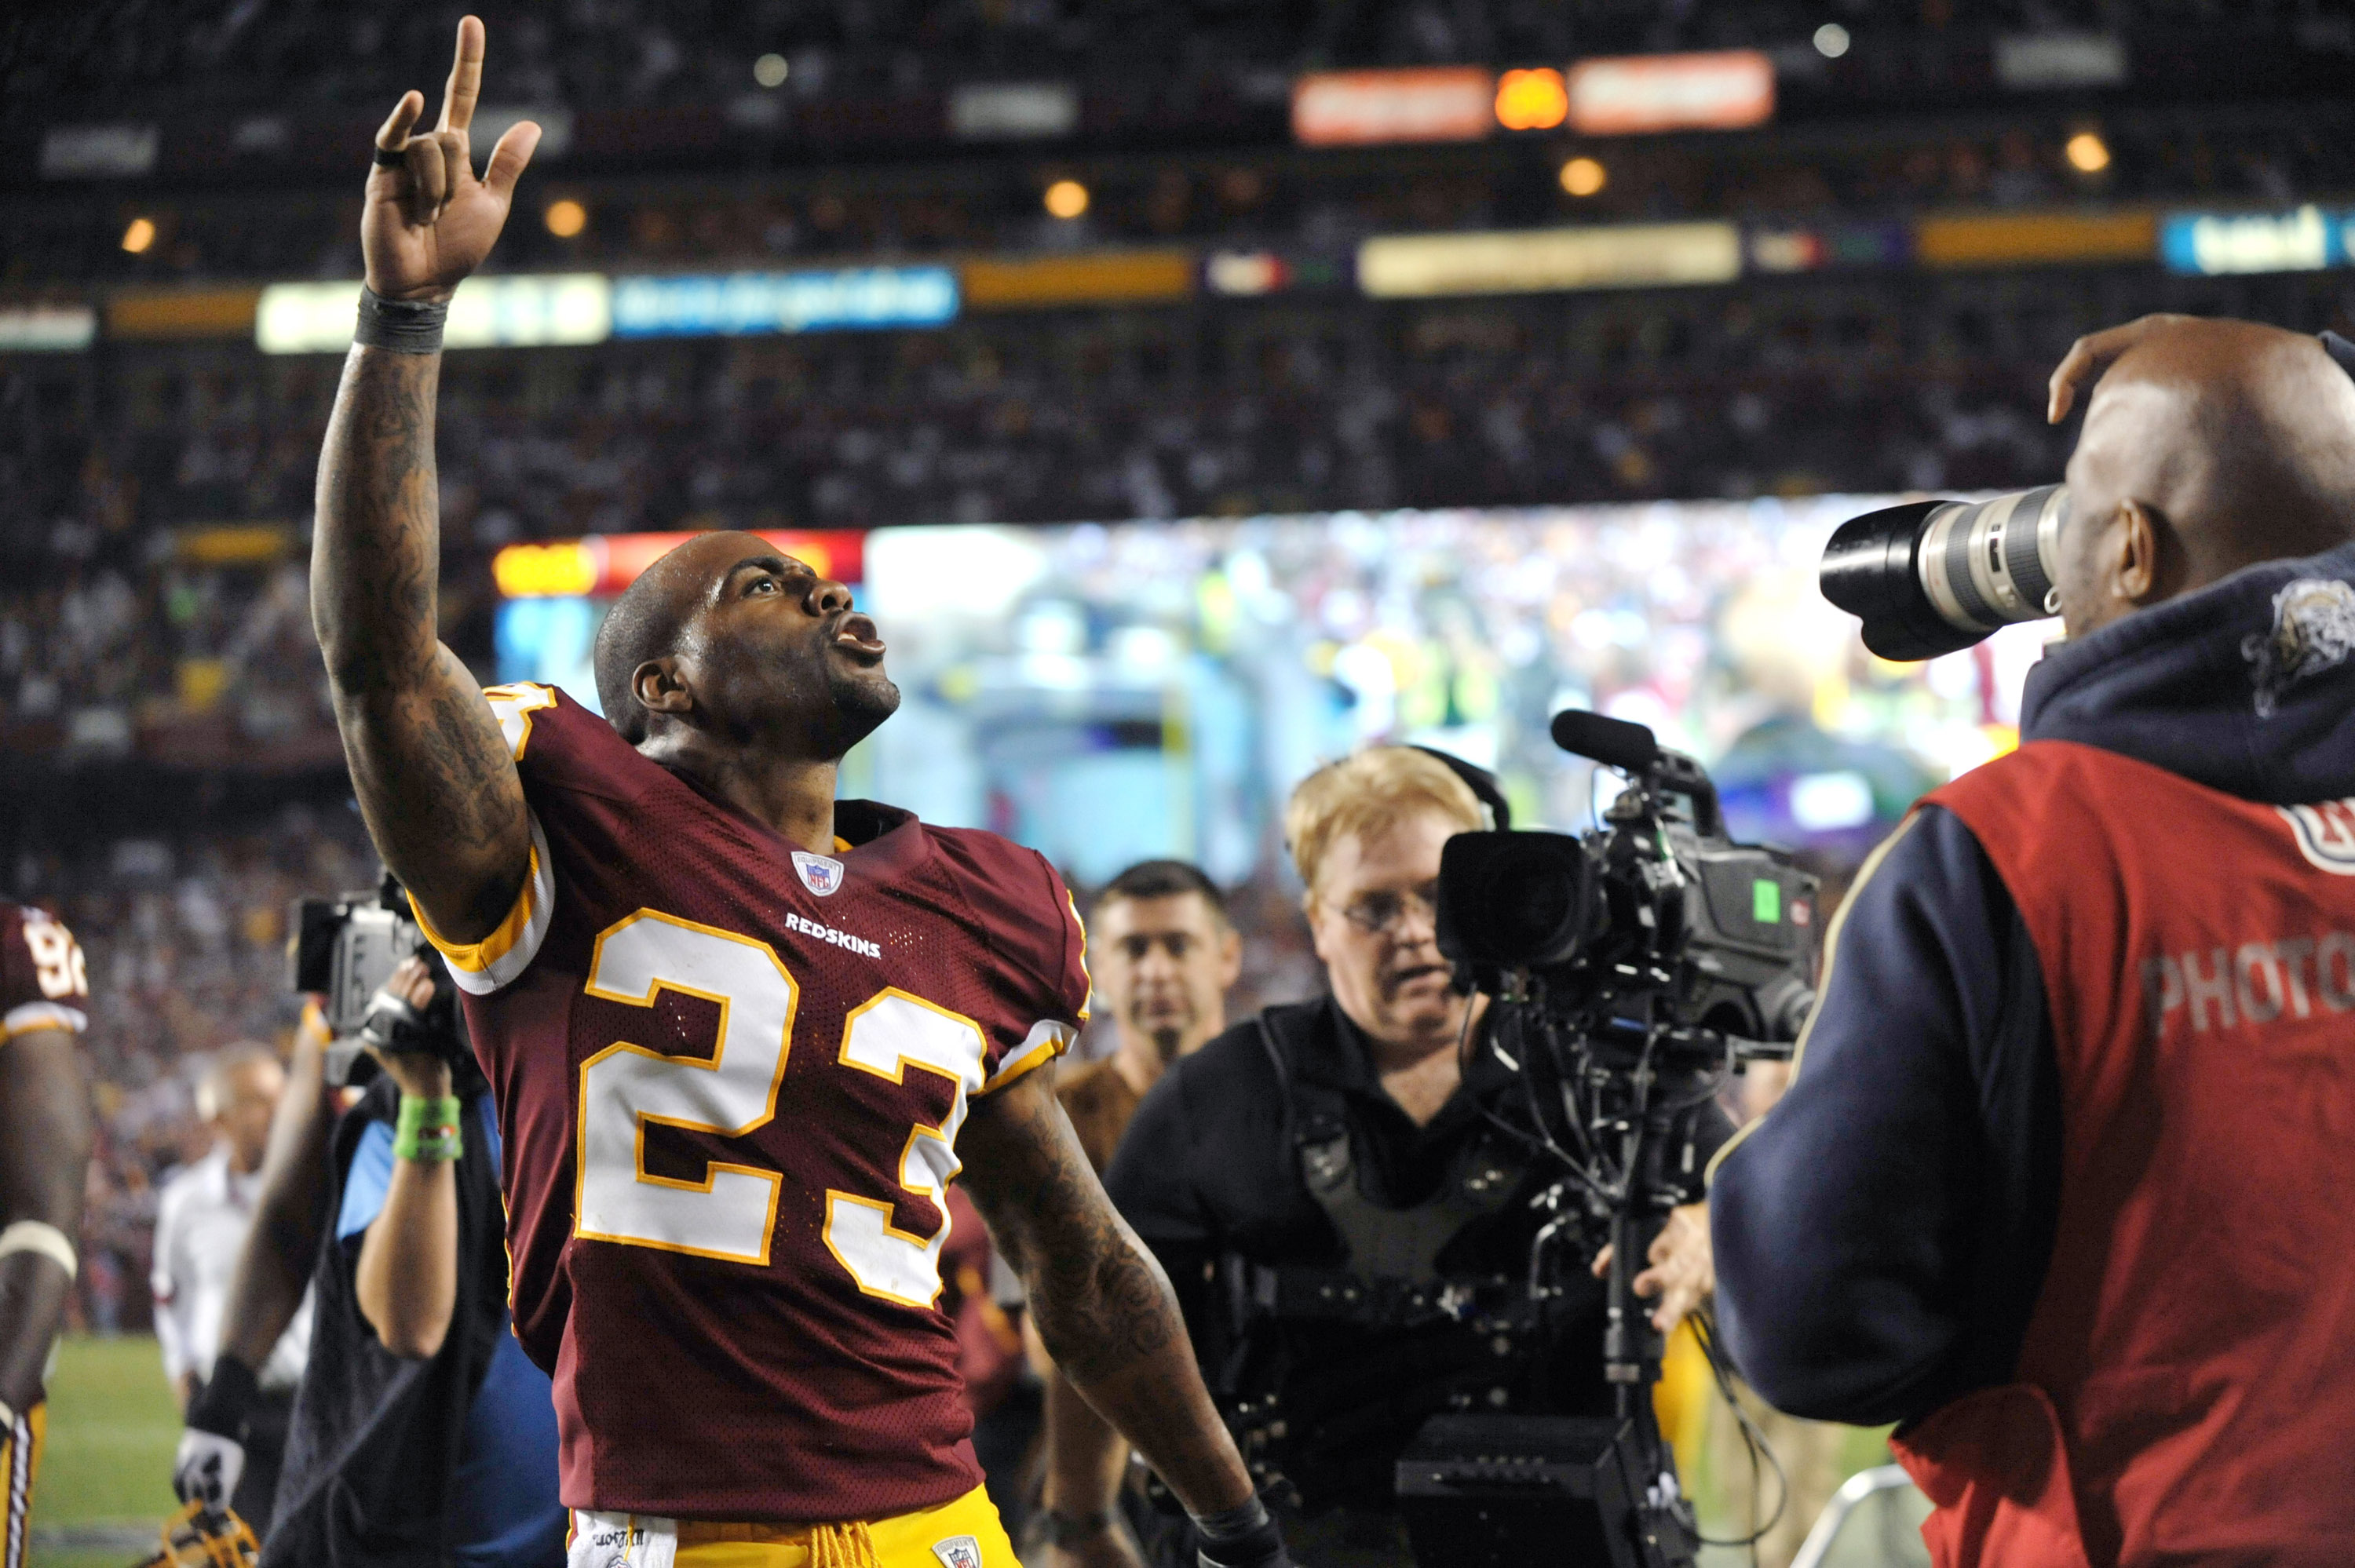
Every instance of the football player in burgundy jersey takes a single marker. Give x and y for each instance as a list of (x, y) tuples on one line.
[(45, 1139), (742, 1035)]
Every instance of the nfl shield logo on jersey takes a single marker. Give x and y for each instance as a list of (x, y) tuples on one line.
[(958, 1551), (821, 876)]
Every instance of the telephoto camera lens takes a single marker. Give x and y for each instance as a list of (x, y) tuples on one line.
[(1931, 576)]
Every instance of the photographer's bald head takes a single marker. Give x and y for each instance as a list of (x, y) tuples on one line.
[(2208, 446)]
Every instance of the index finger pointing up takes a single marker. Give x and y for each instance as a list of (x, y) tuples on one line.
[(465, 77)]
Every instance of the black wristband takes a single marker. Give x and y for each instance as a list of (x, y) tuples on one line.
[(221, 1406), (404, 327), (1242, 1536)]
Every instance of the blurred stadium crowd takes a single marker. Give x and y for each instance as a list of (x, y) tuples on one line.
[(123, 593), (1251, 198)]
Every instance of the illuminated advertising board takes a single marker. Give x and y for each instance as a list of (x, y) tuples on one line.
[(600, 565), (2209, 244), (46, 329), (1727, 90), (520, 311), (168, 314), (1098, 278), (1539, 260), (1442, 103), (2036, 238), (1811, 247), (740, 303)]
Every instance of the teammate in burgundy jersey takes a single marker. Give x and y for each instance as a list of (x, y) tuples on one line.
[(742, 1034), (45, 1140)]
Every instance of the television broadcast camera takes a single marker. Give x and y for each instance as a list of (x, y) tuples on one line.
[(344, 949), (1633, 970)]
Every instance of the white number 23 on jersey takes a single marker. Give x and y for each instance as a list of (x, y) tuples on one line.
[(732, 1212)]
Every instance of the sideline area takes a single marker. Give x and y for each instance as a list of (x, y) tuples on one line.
[(106, 1472), (105, 1480)]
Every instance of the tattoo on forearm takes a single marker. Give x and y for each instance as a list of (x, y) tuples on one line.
[(1100, 1302), (379, 545), (432, 773)]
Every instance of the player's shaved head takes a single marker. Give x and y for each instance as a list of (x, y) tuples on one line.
[(645, 624), (2224, 443), (728, 647)]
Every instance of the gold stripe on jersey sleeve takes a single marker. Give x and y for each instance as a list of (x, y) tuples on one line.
[(1049, 1039), (481, 968), (513, 705), (1086, 978), (38, 1015)]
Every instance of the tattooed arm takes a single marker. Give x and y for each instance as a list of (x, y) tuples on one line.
[(434, 779), (1100, 1301)]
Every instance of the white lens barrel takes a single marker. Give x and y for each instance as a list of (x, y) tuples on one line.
[(1985, 564)]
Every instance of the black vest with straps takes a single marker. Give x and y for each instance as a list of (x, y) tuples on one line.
[(1391, 1275), (1326, 1371)]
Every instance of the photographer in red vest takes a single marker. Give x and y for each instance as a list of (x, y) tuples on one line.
[(2065, 1181)]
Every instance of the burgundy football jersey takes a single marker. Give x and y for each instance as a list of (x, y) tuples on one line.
[(729, 1077), (43, 982)]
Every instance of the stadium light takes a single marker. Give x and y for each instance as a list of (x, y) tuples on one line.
[(1531, 99), (1831, 40), (1066, 198), (1583, 176), (566, 218), (2088, 154), (139, 236), (771, 70)]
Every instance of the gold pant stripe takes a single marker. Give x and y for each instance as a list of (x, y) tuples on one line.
[(964, 1533), (20, 1460)]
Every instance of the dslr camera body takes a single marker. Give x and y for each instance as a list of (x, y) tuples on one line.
[(1633, 969), (344, 949)]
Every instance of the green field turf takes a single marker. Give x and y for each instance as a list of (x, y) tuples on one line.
[(108, 1460)]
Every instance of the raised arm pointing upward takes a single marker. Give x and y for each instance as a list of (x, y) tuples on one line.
[(435, 781)]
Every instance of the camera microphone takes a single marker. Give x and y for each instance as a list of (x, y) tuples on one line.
[(1615, 743)]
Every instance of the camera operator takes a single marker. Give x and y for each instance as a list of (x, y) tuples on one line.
[(2063, 1182), (1321, 1181), (421, 1431)]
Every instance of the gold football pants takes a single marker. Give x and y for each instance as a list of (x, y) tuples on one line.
[(964, 1533)]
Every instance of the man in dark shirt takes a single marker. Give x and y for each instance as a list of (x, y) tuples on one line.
[(1372, 1092)]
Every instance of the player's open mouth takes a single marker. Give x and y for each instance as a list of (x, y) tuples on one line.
[(857, 635)]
